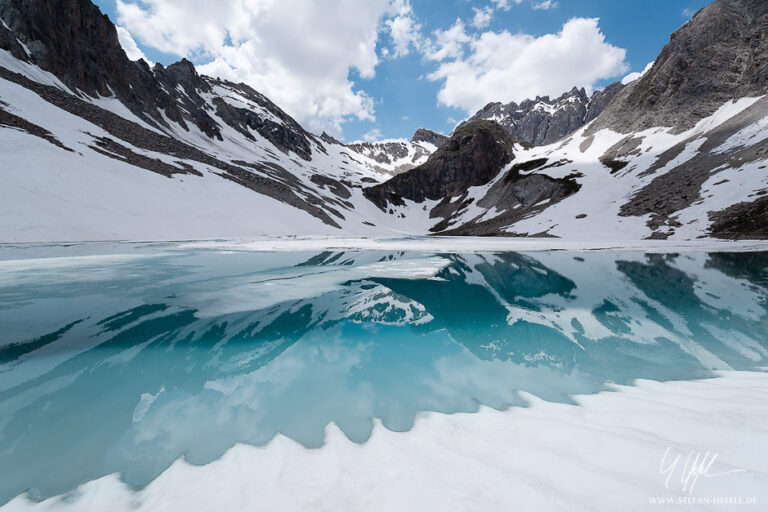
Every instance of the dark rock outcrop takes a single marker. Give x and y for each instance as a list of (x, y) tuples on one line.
[(543, 120), (474, 155), (21, 124), (381, 152), (721, 54), (430, 137), (330, 139), (78, 44), (600, 100), (742, 221)]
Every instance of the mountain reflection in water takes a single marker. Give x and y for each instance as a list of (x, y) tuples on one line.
[(121, 362)]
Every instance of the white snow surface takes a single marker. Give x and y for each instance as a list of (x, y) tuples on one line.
[(609, 452), (469, 244)]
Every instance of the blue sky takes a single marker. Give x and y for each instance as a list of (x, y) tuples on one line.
[(346, 75)]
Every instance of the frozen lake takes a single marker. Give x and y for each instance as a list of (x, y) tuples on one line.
[(120, 358)]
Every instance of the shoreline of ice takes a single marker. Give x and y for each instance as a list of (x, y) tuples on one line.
[(419, 243), (604, 454), (474, 244)]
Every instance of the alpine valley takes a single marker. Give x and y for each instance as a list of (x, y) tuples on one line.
[(98, 147)]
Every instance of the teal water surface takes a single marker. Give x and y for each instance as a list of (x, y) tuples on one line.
[(121, 358)]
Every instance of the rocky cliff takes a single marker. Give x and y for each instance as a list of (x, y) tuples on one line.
[(472, 156), (543, 120), (721, 54), (430, 137)]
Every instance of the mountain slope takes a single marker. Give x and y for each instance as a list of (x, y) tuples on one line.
[(71, 98)]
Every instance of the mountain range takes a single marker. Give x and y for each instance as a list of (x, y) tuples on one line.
[(99, 147)]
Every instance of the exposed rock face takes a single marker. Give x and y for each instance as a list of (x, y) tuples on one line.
[(519, 194), (600, 100), (742, 221), (544, 121), (430, 137), (47, 29), (721, 54), (383, 152), (263, 117), (329, 139), (474, 154)]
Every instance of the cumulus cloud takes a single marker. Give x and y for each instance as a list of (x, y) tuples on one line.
[(297, 52), (482, 17), (449, 43), (130, 47), (500, 66), (403, 28), (505, 4)]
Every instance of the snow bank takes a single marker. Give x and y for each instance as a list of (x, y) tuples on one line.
[(473, 244), (613, 451)]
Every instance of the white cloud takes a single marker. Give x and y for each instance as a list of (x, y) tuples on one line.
[(482, 17), (688, 12), (373, 135), (403, 28), (129, 45), (505, 4), (503, 66), (634, 76), (545, 5), (448, 44), (299, 53)]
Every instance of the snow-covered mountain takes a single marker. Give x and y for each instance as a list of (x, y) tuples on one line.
[(680, 153), (544, 120), (98, 147), (399, 155)]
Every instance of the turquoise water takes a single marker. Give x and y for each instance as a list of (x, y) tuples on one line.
[(121, 358)]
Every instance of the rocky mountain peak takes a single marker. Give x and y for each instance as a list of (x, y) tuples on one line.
[(329, 139), (71, 39), (542, 120), (430, 137), (721, 54), (184, 73), (473, 155)]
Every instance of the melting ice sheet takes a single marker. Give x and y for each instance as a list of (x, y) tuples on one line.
[(120, 358)]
